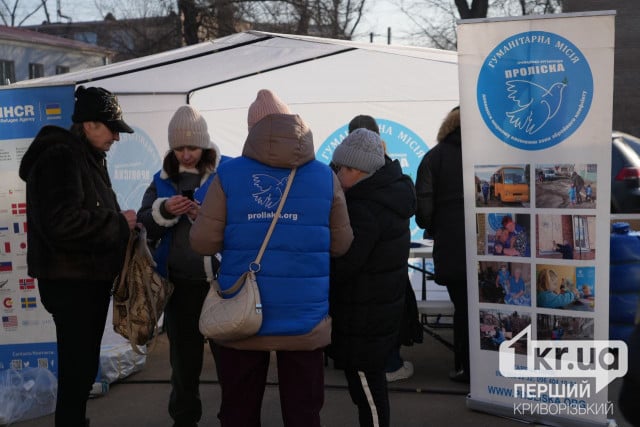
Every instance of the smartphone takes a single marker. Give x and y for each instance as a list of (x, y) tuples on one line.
[(188, 194)]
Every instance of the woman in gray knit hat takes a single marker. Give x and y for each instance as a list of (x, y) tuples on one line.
[(367, 297), (169, 207)]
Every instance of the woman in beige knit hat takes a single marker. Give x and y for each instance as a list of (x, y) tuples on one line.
[(169, 207), (294, 273)]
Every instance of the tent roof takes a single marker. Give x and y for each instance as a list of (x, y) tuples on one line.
[(236, 56)]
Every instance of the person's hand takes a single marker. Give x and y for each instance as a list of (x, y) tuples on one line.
[(130, 216), (193, 212), (178, 205)]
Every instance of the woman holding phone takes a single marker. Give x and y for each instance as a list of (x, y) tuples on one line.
[(169, 207)]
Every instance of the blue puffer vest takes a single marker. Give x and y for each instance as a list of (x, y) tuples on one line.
[(165, 188), (294, 274)]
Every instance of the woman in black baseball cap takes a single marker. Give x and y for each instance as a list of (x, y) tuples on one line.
[(96, 104), (77, 238)]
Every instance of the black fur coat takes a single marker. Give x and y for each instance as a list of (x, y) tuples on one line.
[(75, 229)]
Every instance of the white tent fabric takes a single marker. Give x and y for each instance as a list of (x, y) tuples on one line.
[(408, 90), (325, 81)]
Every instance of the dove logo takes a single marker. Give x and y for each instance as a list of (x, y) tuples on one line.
[(534, 90), (599, 359), (269, 189)]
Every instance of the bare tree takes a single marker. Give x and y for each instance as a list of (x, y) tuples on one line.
[(188, 10), (17, 13), (435, 20), (477, 9), (323, 18), (138, 27)]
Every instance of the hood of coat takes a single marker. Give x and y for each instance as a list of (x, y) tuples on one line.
[(450, 125), (49, 136), (389, 187), (280, 140)]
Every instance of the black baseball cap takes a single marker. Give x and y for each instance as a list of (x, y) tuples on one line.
[(96, 104)]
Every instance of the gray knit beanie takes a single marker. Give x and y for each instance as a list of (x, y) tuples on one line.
[(188, 128), (362, 149)]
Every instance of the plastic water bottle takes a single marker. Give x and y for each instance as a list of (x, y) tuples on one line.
[(99, 388)]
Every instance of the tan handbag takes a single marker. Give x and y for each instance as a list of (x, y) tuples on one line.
[(238, 316), (139, 294)]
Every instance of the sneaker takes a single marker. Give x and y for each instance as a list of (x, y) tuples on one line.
[(459, 376), (405, 371)]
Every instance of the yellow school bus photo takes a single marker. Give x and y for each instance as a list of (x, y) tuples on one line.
[(510, 184)]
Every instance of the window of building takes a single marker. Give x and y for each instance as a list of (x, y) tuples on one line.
[(36, 70), (86, 37), (7, 72), (62, 69)]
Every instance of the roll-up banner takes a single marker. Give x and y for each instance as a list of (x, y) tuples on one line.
[(536, 108), (27, 334)]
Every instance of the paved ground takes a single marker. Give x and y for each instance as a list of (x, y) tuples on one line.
[(429, 398)]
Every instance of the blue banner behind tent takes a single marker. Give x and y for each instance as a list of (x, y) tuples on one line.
[(27, 333), (24, 111)]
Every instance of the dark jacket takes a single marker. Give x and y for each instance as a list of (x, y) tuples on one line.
[(168, 235), (630, 391), (76, 230), (368, 283), (440, 196)]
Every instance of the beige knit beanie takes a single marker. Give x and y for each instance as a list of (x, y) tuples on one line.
[(188, 128), (266, 103)]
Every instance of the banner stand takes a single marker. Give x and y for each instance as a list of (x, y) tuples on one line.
[(536, 102)]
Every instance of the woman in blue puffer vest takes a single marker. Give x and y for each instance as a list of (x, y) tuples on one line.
[(294, 275), (169, 207)]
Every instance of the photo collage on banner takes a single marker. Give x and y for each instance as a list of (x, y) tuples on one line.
[(537, 199)]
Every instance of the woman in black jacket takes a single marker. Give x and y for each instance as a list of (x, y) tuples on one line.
[(368, 282), (77, 238), (441, 213)]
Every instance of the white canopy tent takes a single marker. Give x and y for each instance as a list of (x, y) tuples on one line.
[(408, 90), (325, 81)]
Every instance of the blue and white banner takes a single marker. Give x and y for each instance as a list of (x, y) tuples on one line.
[(401, 143), (27, 333), (536, 107)]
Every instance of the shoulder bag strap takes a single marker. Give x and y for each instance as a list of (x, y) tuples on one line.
[(118, 290), (256, 263), (254, 267)]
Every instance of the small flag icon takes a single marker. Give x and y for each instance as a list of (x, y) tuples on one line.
[(53, 109), (10, 321), (6, 266), (18, 208), (19, 227), (5, 248), (28, 302), (27, 283)]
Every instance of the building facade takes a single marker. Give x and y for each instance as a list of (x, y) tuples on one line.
[(25, 54), (127, 38)]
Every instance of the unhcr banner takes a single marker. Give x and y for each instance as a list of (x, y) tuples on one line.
[(27, 333), (536, 108)]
